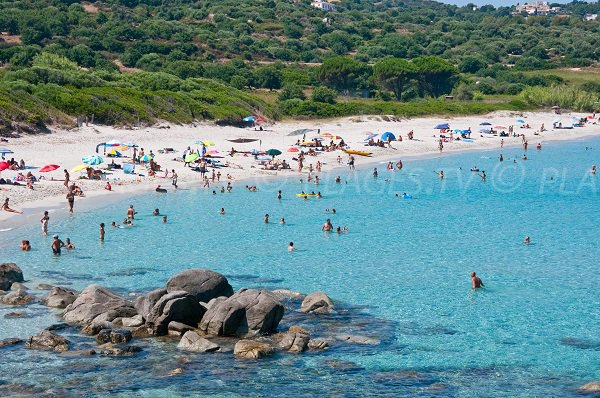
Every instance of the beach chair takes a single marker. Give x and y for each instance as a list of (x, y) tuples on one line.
[(129, 168)]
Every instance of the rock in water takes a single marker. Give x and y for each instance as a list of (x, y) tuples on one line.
[(247, 313), (145, 303), (178, 306), (114, 336), (94, 301), (251, 349), (318, 303), (60, 297), (9, 273), (10, 341), (47, 340), (202, 283), (590, 388), (17, 297), (318, 344), (191, 341)]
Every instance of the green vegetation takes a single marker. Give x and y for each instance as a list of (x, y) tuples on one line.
[(124, 61)]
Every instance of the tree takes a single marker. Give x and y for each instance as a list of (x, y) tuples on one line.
[(83, 55), (324, 94), (435, 76), (339, 42), (393, 74), (290, 91), (268, 77), (470, 64), (341, 73)]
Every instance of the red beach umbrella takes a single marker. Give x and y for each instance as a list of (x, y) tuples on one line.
[(49, 167), (4, 166), (293, 150)]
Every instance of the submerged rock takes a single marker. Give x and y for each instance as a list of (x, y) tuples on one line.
[(251, 349), (318, 303), (9, 342), (16, 314), (60, 297), (177, 306), (17, 297), (202, 283), (192, 341), (115, 336), (47, 340), (357, 339), (116, 350), (9, 274), (286, 294), (590, 388), (97, 302), (318, 344), (294, 342), (246, 313)]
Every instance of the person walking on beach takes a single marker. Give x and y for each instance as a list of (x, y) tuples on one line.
[(174, 178), (476, 281), (7, 208), (71, 198), (57, 244), (102, 231), (44, 221), (67, 179)]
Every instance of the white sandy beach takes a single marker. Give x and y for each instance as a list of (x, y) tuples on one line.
[(67, 147)]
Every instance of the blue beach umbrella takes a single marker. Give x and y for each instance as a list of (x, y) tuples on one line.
[(387, 135), (5, 151), (92, 160), (249, 119), (520, 121), (442, 126), (485, 124)]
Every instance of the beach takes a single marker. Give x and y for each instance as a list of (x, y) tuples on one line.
[(67, 147)]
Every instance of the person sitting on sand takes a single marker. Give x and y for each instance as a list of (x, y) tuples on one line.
[(25, 246), (108, 187), (161, 190), (69, 245), (476, 281), (7, 208), (327, 227)]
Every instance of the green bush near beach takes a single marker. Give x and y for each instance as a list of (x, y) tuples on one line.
[(567, 97)]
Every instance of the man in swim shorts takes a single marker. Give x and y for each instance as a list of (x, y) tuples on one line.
[(57, 244), (476, 281)]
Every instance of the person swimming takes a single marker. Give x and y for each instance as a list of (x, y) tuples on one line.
[(527, 240), (266, 218), (102, 231), (57, 244), (282, 221), (156, 212), (476, 281), (319, 195), (375, 172), (291, 247), (474, 168), (483, 176), (164, 219), (338, 230), (279, 195), (114, 224), (222, 211), (440, 174), (69, 245), (25, 246)]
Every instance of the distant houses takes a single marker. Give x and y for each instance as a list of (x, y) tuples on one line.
[(536, 8), (323, 5), (590, 17)]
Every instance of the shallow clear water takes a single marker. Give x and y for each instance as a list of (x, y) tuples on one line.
[(533, 331)]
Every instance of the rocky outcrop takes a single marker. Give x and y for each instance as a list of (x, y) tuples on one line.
[(133, 322), (17, 296), (47, 340), (178, 328), (115, 336), (9, 342), (96, 302), (590, 388), (145, 303), (179, 306), (251, 349), (247, 313), (317, 303), (193, 342), (295, 340), (202, 283), (60, 297), (117, 350), (318, 344), (9, 274), (357, 339)]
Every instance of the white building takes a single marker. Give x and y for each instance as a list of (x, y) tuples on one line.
[(323, 5), (536, 8), (590, 17)]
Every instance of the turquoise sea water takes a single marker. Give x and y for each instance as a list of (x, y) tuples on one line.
[(402, 272)]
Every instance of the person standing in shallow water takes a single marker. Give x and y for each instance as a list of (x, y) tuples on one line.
[(44, 222), (476, 281), (266, 218), (102, 231)]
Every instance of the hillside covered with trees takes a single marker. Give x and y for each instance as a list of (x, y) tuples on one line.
[(124, 61)]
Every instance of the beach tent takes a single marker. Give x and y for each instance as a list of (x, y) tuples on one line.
[(443, 126), (293, 149), (128, 168), (387, 135)]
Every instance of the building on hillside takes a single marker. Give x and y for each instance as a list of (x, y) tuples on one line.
[(323, 5), (536, 8), (590, 17)]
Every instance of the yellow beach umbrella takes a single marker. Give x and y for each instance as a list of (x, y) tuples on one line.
[(79, 168), (326, 135), (208, 143)]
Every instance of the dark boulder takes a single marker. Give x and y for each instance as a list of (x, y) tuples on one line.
[(178, 306), (9, 274), (145, 303), (246, 313), (202, 283), (47, 340)]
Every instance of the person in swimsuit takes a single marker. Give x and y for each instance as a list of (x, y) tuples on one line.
[(44, 222), (130, 213), (279, 195), (327, 227), (71, 198), (7, 208), (102, 231), (291, 247), (527, 240), (57, 244), (164, 219), (222, 212), (25, 246), (69, 245), (266, 218), (476, 281)]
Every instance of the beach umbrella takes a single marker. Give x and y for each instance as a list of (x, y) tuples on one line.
[(485, 124), (213, 152), (92, 160), (249, 119), (4, 165), (145, 158), (261, 120), (387, 135), (273, 152), (336, 137), (49, 167), (5, 151), (520, 121), (129, 145), (442, 126), (326, 135), (113, 143), (191, 157), (499, 127), (300, 132), (293, 149), (79, 168), (371, 136), (208, 143), (115, 153), (243, 140)]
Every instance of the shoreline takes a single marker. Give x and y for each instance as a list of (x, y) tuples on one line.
[(422, 147)]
